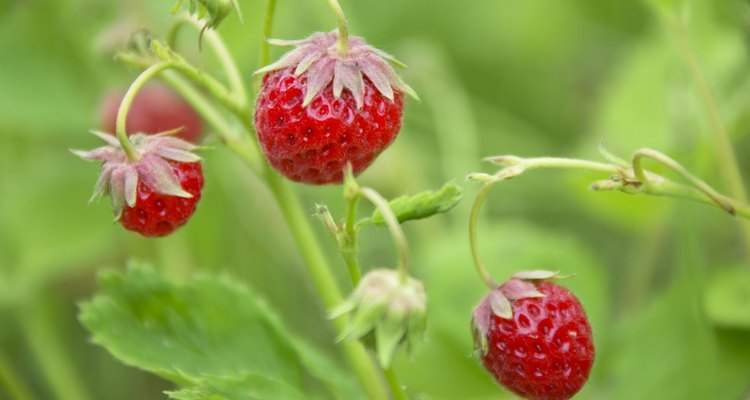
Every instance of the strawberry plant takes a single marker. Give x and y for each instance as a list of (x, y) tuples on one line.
[(290, 217)]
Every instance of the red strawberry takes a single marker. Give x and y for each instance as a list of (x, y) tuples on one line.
[(309, 127), (534, 338), (154, 194), (156, 108)]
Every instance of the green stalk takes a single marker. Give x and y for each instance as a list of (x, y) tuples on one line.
[(236, 83), (396, 388), (51, 354), (350, 247), (724, 150), (265, 48), (343, 43), (399, 240), (473, 241), (127, 101), (12, 382)]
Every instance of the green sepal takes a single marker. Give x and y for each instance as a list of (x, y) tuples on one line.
[(388, 334), (420, 205)]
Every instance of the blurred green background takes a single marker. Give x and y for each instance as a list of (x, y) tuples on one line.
[(666, 283)]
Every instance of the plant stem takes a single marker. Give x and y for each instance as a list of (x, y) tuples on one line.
[(481, 269), (13, 384), (265, 48), (343, 42), (396, 387), (349, 248), (323, 280), (236, 83), (634, 180), (127, 101), (299, 226), (51, 354), (242, 145), (724, 151), (399, 240)]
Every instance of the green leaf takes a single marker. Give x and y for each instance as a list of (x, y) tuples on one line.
[(192, 332), (420, 205), (244, 387), (727, 300)]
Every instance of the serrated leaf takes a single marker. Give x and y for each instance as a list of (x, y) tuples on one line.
[(244, 387), (727, 300), (420, 205), (206, 327)]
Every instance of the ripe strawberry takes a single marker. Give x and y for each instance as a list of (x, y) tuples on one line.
[(534, 338), (154, 194), (156, 108), (309, 127)]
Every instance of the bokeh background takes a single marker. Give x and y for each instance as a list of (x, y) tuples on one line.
[(666, 282)]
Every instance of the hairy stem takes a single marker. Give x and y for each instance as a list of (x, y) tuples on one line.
[(127, 101), (343, 42)]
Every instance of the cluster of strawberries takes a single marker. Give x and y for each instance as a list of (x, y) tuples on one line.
[(317, 111)]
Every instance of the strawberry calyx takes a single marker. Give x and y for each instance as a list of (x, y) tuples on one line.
[(119, 177), (320, 58), (521, 285)]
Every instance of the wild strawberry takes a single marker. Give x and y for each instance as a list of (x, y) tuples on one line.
[(155, 193), (534, 338), (309, 127), (156, 108)]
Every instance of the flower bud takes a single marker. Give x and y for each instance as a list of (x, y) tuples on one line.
[(393, 309)]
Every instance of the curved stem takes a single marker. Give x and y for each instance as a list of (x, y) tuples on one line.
[(402, 248), (702, 186), (481, 270), (127, 101), (396, 387), (343, 42), (236, 83)]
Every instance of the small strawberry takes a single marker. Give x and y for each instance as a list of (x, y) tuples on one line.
[(156, 108), (155, 193), (534, 338), (310, 127)]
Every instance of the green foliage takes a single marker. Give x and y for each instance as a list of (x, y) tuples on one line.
[(421, 205), (727, 299), (205, 334)]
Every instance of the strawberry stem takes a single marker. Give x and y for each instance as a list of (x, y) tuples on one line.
[(349, 248), (343, 42), (236, 83), (265, 48), (394, 227), (127, 101), (481, 269)]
